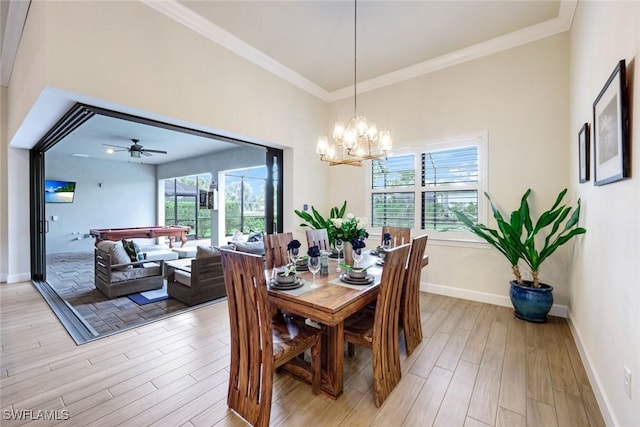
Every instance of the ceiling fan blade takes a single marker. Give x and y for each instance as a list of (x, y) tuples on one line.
[(119, 146), (145, 153), (154, 151)]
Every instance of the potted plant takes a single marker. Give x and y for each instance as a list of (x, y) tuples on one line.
[(518, 237), (316, 221), (286, 274)]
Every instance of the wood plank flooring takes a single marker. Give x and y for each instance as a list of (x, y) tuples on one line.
[(477, 366)]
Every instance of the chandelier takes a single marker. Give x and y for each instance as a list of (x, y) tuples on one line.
[(358, 139)]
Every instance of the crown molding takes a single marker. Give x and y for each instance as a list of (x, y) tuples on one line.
[(197, 23), (16, 17), (517, 38), (209, 30)]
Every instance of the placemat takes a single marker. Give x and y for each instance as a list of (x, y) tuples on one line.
[(339, 282), (306, 287)]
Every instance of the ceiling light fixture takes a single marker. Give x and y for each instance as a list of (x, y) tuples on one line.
[(359, 139)]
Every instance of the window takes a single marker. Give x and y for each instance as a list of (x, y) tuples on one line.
[(422, 186), (393, 197), (185, 203), (244, 200)]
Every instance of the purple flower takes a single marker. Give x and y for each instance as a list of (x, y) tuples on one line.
[(358, 243), (294, 244), (313, 251)]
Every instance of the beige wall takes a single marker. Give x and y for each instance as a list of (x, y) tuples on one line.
[(520, 98), (4, 243), (530, 100), (130, 55), (605, 292)]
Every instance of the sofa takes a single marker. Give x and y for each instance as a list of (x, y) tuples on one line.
[(200, 279), (158, 252), (116, 274)]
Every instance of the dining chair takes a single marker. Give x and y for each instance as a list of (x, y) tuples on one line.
[(319, 238), (410, 300), (275, 249), (259, 342), (399, 235), (378, 329)]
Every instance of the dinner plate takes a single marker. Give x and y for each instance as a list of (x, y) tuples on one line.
[(273, 284), (350, 280), (302, 267)]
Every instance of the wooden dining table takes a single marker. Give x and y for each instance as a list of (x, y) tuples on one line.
[(329, 305)]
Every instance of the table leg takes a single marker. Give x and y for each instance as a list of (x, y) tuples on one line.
[(183, 238), (334, 363)]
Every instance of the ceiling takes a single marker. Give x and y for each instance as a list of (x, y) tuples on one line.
[(95, 136), (315, 39), (310, 43)]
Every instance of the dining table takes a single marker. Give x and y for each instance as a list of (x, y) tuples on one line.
[(328, 301)]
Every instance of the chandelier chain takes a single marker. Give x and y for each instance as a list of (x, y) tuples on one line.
[(355, 56), (357, 139)]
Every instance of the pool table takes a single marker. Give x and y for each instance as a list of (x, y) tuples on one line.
[(171, 231)]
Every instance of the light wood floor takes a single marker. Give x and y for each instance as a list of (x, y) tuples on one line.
[(477, 366)]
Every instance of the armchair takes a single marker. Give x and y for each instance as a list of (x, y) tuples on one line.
[(115, 274)]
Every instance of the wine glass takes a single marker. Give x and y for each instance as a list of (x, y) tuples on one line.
[(339, 244), (314, 267), (357, 256), (294, 254)]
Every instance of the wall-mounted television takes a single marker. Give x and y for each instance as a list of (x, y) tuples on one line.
[(59, 191)]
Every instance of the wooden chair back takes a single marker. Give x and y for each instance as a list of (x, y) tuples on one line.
[(399, 235), (382, 336), (275, 249), (411, 322), (385, 346), (249, 391), (253, 334), (319, 238)]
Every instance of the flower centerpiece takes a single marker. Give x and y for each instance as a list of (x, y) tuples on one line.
[(316, 221), (350, 229)]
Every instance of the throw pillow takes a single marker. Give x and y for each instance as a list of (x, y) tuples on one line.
[(131, 250), (117, 252), (206, 252), (134, 251), (256, 248)]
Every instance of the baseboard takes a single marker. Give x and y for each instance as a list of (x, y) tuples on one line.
[(556, 310), (15, 278), (594, 379)]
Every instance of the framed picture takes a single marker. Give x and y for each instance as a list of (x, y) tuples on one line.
[(583, 152), (611, 130)]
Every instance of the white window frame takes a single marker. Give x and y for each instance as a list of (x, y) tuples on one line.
[(480, 139)]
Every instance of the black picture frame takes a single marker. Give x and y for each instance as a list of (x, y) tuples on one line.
[(611, 130), (583, 153)]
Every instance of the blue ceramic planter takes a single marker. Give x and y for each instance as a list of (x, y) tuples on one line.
[(531, 304)]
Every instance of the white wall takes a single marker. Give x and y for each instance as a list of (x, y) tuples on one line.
[(520, 98), (128, 54), (605, 279), (109, 194)]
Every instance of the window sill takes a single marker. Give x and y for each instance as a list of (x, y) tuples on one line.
[(458, 242)]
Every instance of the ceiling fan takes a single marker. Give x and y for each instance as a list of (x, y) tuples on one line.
[(136, 149)]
